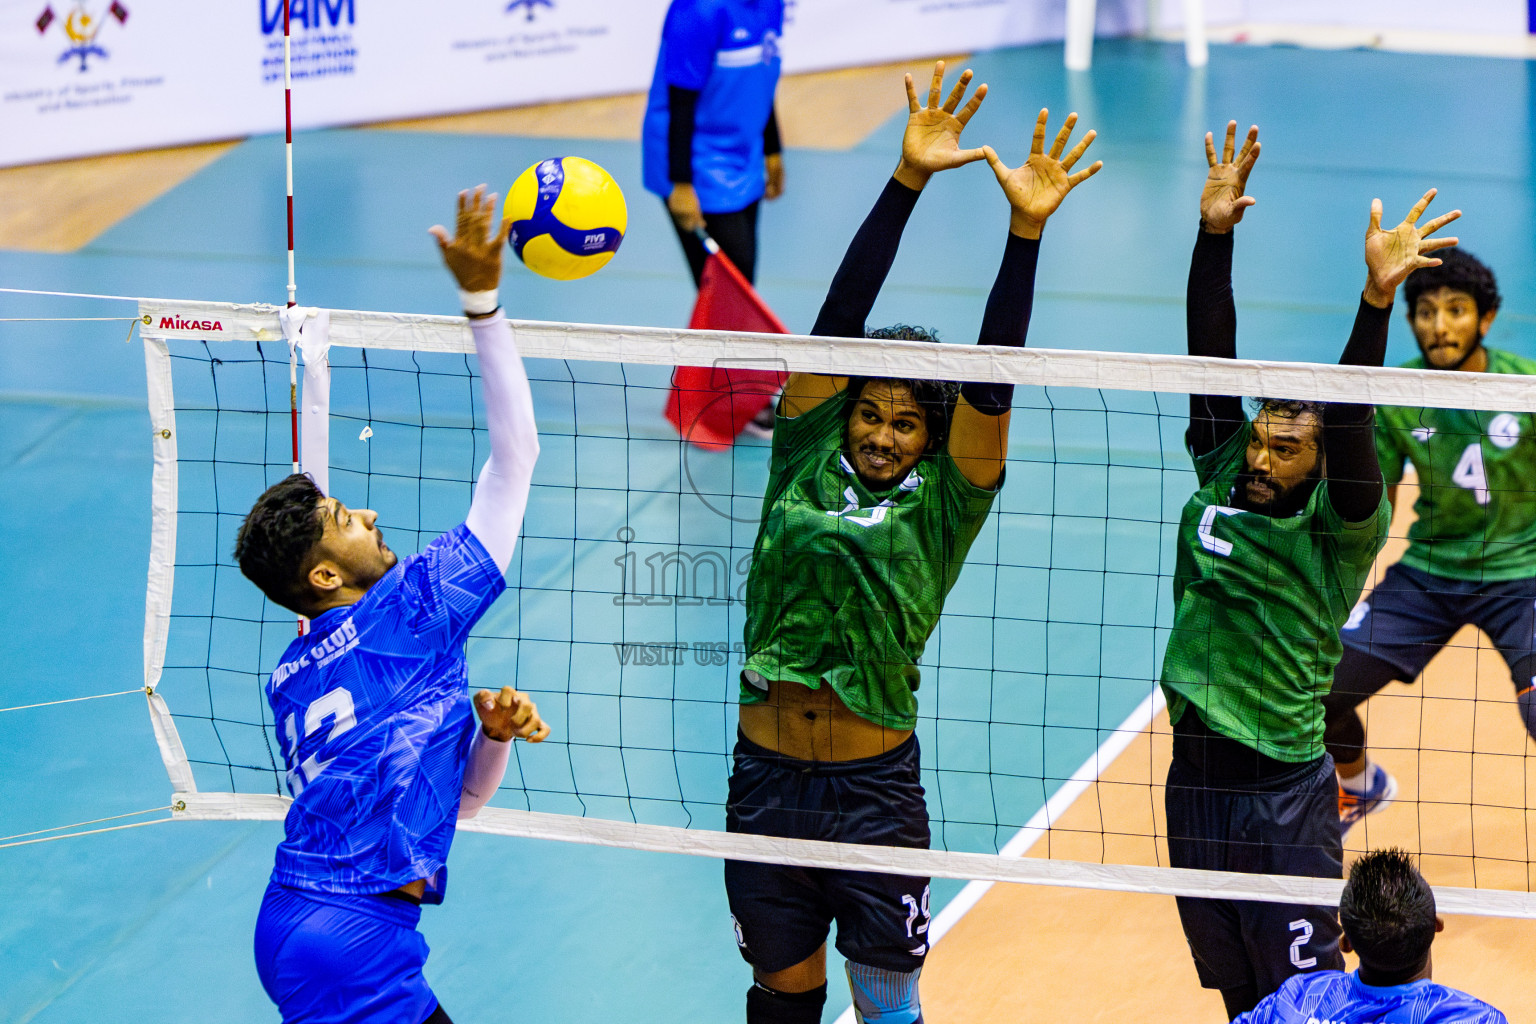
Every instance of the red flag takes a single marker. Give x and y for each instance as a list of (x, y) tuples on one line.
[(709, 405), (45, 19), (119, 12)]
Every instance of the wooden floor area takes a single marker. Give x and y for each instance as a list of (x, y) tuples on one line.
[(1036, 953), (62, 206)]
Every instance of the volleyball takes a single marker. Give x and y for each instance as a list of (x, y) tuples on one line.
[(568, 217)]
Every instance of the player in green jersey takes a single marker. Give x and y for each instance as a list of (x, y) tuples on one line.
[(876, 490), (1472, 550), (1273, 550)]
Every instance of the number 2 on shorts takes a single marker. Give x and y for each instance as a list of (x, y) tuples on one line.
[(916, 910), (1305, 928)]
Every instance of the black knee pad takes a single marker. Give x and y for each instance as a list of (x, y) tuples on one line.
[(1343, 734), (770, 1006)]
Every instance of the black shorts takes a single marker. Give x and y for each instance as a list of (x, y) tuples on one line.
[(1289, 826), (782, 914), (1412, 614)]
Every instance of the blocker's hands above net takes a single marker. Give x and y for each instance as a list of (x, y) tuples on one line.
[(1036, 187), (932, 139), (1223, 201), (509, 714), (473, 254), (1391, 255)]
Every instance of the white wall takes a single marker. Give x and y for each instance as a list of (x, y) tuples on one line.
[(1490, 17)]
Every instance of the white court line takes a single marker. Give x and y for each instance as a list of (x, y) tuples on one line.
[(1134, 725)]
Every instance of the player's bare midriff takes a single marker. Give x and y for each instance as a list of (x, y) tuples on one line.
[(416, 890), (815, 725)]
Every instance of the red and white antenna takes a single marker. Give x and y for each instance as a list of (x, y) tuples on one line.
[(293, 358), (293, 288)]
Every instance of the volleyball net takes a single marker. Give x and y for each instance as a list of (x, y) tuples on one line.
[(1044, 743)]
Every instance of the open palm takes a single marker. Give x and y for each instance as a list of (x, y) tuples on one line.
[(1036, 187), (1224, 198), (1392, 254), (932, 139)]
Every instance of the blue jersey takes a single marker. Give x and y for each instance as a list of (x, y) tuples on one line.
[(1329, 997), (373, 716), (728, 52)]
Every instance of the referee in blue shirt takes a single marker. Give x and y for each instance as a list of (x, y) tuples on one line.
[(372, 707), (711, 140)]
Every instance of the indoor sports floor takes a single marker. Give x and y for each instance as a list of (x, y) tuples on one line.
[(154, 924)]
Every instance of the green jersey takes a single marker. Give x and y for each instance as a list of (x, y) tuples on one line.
[(847, 584), (1477, 483), (1258, 605)]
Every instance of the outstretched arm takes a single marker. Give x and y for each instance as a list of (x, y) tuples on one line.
[(473, 255), (1349, 428), (503, 717), (1209, 310), (979, 434), (930, 144)]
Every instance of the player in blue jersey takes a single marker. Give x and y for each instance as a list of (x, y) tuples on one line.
[(372, 705), (710, 141), (1388, 913)]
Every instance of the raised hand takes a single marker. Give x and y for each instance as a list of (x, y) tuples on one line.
[(473, 254), (932, 139), (773, 174), (1392, 254), (1223, 200), (1036, 188), (509, 714)]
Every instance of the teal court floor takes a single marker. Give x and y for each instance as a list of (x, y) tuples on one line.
[(154, 924)]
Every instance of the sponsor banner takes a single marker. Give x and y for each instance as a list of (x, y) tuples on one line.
[(80, 77)]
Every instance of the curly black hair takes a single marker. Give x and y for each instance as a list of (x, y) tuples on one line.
[(935, 397), (1460, 270), (1388, 912), (276, 542), (1291, 408)]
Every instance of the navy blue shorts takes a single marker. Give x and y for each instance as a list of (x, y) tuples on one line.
[(326, 958), (1412, 614), (1288, 826), (783, 914)]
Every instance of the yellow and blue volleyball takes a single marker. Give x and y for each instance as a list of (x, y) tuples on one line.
[(568, 217)]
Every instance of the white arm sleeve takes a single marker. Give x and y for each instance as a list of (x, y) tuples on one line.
[(482, 775), (501, 494)]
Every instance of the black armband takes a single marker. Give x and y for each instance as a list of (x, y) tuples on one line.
[(772, 145), (859, 277), (682, 105), (988, 398), (1006, 320)]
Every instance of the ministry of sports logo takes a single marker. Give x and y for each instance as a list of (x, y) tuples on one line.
[(81, 27), (529, 6)]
